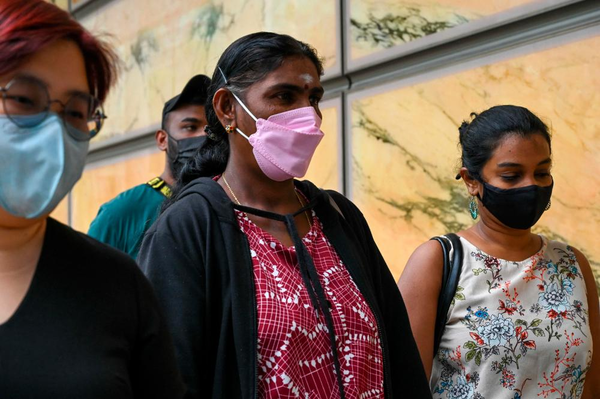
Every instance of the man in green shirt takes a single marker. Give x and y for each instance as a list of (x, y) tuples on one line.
[(123, 221)]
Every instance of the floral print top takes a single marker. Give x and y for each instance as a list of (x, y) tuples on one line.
[(515, 329)]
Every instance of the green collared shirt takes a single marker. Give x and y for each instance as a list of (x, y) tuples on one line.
[(123, 221)]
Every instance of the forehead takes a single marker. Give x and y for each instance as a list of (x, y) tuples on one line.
[(296, 70), (187, 111), (521, 149), (60, 66)]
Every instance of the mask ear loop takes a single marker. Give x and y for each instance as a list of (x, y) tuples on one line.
[(239, 102)]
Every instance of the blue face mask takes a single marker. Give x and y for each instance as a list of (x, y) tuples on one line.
[(39, 165)]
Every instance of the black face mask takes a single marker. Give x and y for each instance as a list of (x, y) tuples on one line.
[(179, 151), (519, 208)]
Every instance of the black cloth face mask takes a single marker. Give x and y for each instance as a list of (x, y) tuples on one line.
[(179, 151), (519, 208)]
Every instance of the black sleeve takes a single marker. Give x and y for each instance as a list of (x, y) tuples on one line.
[(171, 258), (154, 372), (408, 375)]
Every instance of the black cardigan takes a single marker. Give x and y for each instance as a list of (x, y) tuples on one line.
[(199, 263)]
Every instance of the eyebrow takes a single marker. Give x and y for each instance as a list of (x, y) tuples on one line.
[(514, 164), (73, 92), (26, 75), (190, 119), (296, 88)]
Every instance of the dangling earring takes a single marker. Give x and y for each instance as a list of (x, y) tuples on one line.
[(473, 209), (549, 205), (228, 128)]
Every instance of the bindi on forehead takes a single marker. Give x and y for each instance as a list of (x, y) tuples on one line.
[(306, 78)]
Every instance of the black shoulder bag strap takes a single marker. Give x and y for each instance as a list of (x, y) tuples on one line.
[(450, 276)]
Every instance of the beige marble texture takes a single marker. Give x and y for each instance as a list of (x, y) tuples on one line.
[(164, 43), (405, 154), (376, 25), (101, 183), (64, 4), (61, 212), (324, 171)]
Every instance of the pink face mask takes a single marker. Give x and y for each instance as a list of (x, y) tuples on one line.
[(284, 144)]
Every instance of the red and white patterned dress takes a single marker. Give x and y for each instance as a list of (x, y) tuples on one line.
[(294, 349)]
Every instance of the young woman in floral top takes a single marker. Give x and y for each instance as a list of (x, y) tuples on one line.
[(525, 316)]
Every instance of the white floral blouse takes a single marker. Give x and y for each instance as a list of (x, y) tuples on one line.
[(515, 329)]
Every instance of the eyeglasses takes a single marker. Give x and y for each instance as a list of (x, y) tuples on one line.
[(27, 104)]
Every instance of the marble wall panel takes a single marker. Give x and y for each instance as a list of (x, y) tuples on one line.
[(325, 166), (101, 183), (405, 155), (61, 212), (376, 25), (165, 42), (64, 4)]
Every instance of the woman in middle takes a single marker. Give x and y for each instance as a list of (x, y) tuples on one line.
[(271, 286)]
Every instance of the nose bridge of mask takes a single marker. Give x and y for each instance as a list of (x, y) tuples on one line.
[(300, 119)]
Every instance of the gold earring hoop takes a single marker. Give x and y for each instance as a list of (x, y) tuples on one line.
[(228, 128)]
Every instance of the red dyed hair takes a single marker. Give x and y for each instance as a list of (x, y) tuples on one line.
[(28, 26)]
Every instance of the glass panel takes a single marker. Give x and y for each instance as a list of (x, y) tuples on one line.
[(405, 155), (324, 169), (376, 25), (102, 183), (162, 47)]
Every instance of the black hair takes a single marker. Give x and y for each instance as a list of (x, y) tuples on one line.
[(486, 131), (246, 61)]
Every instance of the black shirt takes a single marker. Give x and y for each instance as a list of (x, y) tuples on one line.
[(88, 327)]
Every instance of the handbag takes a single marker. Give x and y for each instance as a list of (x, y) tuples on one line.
[(450, 277)]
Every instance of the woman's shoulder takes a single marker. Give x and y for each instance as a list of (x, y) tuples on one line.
[(103, 284), (197, 201), (557, 248), (88, 263), (343, 205), (560, 252), (426, 258), (64, 240)]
